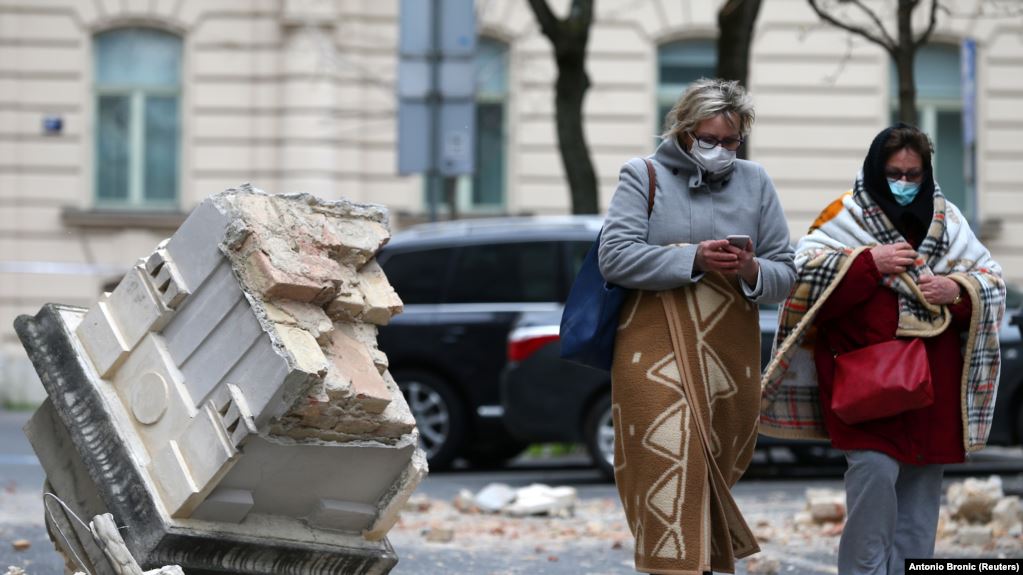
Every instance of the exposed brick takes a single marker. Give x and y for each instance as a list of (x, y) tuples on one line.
[(273, 283), (382, 302), (351, 360), (303, 348)]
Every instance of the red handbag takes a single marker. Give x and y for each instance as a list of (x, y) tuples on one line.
[(881, 380)]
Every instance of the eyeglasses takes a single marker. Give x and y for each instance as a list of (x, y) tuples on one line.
[(710, 142), (911, 175)]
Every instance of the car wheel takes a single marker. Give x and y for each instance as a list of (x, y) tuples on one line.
[(439, 413), (599, 432)]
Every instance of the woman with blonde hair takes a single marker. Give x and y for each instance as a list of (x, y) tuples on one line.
[(686, 369)]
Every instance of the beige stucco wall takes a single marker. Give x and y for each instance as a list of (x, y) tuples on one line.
[(298, 95)]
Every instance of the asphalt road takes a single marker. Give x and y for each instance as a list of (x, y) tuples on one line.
[(594, 541)]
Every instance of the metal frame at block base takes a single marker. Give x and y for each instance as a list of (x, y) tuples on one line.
[(90, 467)]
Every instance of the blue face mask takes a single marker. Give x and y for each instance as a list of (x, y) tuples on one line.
[(904, 192)]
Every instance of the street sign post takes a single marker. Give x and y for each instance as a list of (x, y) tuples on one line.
[(436, 91)]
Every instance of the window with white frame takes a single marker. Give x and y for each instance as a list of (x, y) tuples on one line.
[(678, 65), (939, 107), (138, 118), (485, 189)]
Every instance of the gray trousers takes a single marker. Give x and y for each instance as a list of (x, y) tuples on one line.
[(892, 514)]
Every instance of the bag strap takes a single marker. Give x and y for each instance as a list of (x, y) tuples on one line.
[(652, 178)]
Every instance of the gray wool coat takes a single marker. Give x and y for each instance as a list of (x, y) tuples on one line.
[(637, 253)]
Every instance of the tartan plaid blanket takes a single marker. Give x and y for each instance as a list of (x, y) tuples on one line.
[(790, 405)]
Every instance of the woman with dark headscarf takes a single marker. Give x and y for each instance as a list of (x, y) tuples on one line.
[(890, 260)]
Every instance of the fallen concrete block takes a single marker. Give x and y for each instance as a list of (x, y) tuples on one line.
[(1007, 516), (973, 500), (540, 499), (825, 505), (974, 535), (216, 407), (495, 497)]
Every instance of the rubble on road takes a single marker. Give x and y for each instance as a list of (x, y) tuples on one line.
[(494, 497), (535, 499), (973, 500), (538, 499), (21, 544), (825, 505), (463, 522), (978, 514)]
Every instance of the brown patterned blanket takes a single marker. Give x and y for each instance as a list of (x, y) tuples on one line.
[(685, 401)]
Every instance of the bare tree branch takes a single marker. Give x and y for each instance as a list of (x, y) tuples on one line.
[(880, 41), (877, 20), (930, 26), (549, 23)]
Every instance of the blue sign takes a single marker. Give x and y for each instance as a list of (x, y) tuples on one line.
[(53, 124)]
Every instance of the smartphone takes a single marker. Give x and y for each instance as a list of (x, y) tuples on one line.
[(738, 240)]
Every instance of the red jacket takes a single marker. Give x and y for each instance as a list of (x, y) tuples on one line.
[(862, 312)]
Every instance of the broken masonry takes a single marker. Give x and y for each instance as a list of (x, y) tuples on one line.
[(227, 403)]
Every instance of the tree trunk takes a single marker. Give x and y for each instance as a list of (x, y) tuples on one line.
[(571, 88), (903, 57), (736, 21), (569, 38)]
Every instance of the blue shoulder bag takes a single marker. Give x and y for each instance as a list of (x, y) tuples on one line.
[(590, 320)]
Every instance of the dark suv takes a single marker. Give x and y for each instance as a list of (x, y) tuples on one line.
[(464, 285)]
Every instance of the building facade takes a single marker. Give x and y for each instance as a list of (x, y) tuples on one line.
[(119, 116)]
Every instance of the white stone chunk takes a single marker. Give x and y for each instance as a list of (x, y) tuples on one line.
[(206, 448), (540, 499), (974, 535), (136, 308), (202, 455), (495, 496), (156, 259), (149, 398), (170, 285), (236, 417), (1007, 514), (229, 505), (304, 349), (202, 313), (195, 246), (974, 499), (382, 302), (133, 383), (221, 350), (342, 515), (102, 340), (262, 377), (173, 479), (825, 505)]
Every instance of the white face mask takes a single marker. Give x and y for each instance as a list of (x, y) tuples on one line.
[(714, 160)]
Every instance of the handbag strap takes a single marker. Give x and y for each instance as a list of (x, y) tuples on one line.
[(652, 178)]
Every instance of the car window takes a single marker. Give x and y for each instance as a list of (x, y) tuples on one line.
[(418, 276), (506, 273)]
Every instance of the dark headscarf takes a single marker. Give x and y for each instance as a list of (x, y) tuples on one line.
[(912, 220)]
